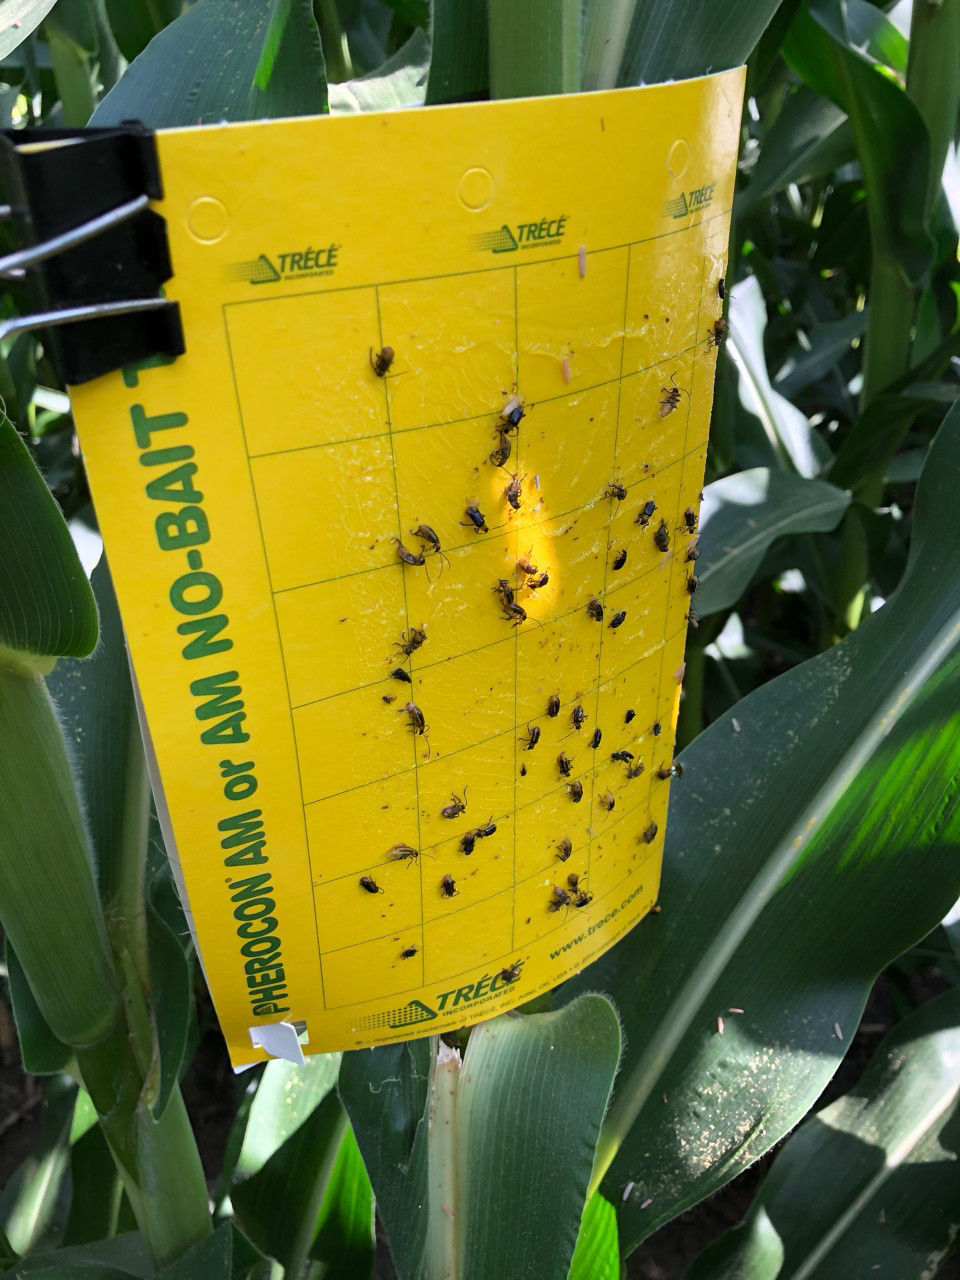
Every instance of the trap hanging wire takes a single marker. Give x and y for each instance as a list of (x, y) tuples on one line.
[(403, 543)]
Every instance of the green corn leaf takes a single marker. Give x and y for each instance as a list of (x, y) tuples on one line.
[(748, 1253), (95, 1187), (46, 605), (34, 1203), (689, 38), (894, 154), (41, 1052), (874, 435), (272, 43), (72, 69), (743, 514), (279, 1208), (828, 343), (76, 22), (459, 58), (117, 1259), (870, 1184), (539, 1085), (346, 1241), (606, 27), (811, 839), (536, 1084), (891, 139), (415, 12), (135, 25), (63, 1265), (211, 65), (809, 138), (8, 1255), (286, 1097), (791, 439), (20, 18), (46, 876), (933, 85), (171, 992), (385, 1092), (211, 1259), (534, 49), (597, 1255), (294, 1128), (94, 701)]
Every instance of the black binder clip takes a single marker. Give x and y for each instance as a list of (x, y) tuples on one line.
[(95, 255)]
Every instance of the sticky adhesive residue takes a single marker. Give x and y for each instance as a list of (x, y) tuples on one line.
[(403, 544)]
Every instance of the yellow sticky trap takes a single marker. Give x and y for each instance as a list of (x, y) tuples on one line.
[(378, 309)]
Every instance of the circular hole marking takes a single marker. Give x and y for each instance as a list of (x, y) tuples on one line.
[(678, 157), (207, 220), (476, 189)]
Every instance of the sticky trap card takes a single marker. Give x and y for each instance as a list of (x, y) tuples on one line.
[(404, 543)]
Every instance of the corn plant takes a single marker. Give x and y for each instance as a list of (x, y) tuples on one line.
[(810, 847)]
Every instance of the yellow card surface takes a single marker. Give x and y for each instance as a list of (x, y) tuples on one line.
[(403, 544)]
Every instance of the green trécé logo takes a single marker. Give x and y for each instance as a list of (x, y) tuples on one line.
[(299, 264), (522, 235), (689, 201)]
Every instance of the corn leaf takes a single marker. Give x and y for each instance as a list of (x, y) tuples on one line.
[(212, 64), (385, 1092), (891, 139), (743, 514), (459, 59), (46, 605), (286, 1097), (41, 1053), (211, 1259), (94, 701), (827, 344), (597, 1255), (171, 995), (135, 25), (749, 1253), (285, 1204), (20, 18), (62, 1265), (116, 1259), (809, 138), (34, 1203), (870, 1184), (811, 839), (534, 49), (295, 1128), (536, 1084), (539, 1085), (690, 38), (46, 873), (790, 437), (345, 1240), (95, 1188)]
